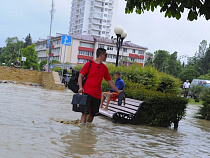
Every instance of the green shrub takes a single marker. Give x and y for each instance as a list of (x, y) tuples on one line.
[(57, 69), (168, 84), (204, 110)]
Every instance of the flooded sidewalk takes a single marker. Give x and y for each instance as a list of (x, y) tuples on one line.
[(30, 128)]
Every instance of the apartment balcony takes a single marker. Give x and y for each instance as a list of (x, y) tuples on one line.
[(98, 5), (111, 1), (96, 28), (96, 22), (108, 30), (98, 15)]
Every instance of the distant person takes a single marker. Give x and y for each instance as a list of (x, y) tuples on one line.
[(186, 87), (73, 71), (31, 68), (64, 71), (200, 83), (205, 84), (112, 94), (44, 67), (17, 64)]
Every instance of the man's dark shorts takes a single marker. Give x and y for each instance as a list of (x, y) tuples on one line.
[(94, 105)]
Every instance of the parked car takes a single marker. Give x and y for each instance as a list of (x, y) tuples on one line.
[(196, 82)]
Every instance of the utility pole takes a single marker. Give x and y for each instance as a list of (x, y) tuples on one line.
[(52, 11)]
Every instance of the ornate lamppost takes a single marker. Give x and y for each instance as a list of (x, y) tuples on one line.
[(121, 34)]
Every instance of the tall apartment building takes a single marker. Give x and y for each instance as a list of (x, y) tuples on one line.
[(93, 17)]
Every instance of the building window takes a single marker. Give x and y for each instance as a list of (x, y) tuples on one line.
[(132, 59), (100, 46), (106, 3), (141, 52), (82, 61), (106, 9), (103, 32), (133, 51), (109, 47), (87, 53), (109, 56), (104, 21), (105, 15), (139, 60), (124, 49), (87, 45)]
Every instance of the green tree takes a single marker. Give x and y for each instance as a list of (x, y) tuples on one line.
[(172, 8), (28, 41), (149, 62), (149, 54), (42, 63), (174, 66), (11, 51), (189, 74), (31, 57), (161, 59)]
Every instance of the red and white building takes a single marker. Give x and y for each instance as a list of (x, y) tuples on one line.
[(83, 48)]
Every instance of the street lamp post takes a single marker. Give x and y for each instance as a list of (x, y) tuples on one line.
[(203, 72), (121, 34)]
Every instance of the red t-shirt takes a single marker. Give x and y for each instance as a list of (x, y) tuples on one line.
[(96, 74)]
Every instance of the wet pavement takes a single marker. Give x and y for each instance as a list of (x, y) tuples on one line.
[(30, 128)]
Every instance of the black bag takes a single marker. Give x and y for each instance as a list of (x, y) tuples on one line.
[(80, 103), (73, 82)]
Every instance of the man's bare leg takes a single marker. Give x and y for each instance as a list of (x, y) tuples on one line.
[(90, 118), (102, 99), (108, 100), (83, 118)]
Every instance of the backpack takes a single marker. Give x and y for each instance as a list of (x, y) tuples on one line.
[(73, 82)]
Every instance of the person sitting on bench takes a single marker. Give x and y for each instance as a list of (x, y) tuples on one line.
[(112, 95)]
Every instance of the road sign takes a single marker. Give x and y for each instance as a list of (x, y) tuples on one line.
[(48, 43), (66, 40), (23, 58)]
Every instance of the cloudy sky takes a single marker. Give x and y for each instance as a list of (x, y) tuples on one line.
[(151, 29)]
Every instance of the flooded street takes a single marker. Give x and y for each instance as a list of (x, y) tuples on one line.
[(29, 129)]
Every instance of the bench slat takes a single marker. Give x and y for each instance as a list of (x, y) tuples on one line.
[(126, 105), (123, 109)]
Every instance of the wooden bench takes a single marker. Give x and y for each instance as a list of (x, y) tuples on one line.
[(127, 113)]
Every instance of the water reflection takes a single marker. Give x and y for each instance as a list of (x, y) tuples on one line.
[(28, 129)]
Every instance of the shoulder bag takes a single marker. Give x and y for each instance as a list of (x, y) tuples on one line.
[(73, 82)]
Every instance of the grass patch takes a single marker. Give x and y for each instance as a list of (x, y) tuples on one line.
[(192, 102)]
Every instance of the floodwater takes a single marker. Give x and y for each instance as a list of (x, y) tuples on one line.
[(29, 129)]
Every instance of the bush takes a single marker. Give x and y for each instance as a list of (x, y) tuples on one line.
[(57, 69), (168, 84), (204, 110)]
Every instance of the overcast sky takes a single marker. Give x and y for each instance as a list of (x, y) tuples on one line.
[(151, 29)]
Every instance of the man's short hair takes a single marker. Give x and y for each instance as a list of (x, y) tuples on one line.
[(117, 73), (100, 51)]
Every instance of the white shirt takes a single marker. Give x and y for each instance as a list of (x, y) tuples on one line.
[(186, 85)]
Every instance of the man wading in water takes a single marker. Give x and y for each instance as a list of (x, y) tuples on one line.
[(92, 86)]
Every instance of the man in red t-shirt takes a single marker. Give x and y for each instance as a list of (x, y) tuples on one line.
[(92, 86)]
